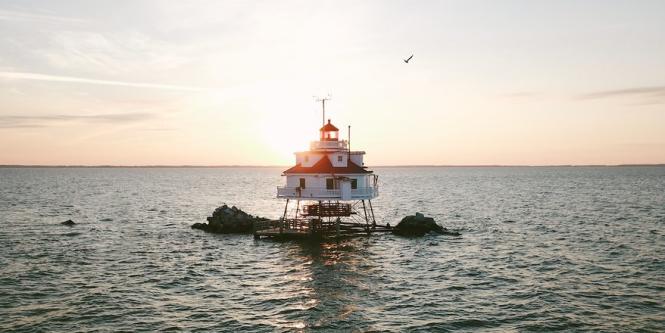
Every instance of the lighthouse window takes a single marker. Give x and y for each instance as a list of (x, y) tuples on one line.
[(354, 183), (302, 182), (330, 184), (339, 158)]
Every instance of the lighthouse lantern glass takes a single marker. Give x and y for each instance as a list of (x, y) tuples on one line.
[(329, 135)]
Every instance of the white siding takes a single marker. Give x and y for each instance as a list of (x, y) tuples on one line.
[(334, 158), (362, 181), (319, 181), (357, 159), (311, 181), (292, 181), (311, 158)]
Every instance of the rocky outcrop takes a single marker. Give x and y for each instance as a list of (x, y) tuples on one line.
[(229, 220), (419, 225), (68, 223)]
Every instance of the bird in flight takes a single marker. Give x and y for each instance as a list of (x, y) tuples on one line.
[(406, 61)]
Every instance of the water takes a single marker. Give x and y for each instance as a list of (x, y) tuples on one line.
[(542, 249)]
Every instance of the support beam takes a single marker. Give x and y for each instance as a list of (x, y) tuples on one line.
[(285, 208), (337, 229), (366, 219), (371, 209), (281, 224)]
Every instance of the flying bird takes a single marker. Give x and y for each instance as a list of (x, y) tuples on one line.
[(406, 61)]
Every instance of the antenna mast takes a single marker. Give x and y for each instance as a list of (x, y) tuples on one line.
[(323, 106), (349, 143)]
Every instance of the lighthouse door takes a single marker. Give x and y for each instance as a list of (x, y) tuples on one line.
[(345, 189)]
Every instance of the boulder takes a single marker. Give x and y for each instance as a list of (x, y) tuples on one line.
[(68, 223), (419, 225), (229, 220)]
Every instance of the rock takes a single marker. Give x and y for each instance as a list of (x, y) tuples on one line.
[(448, 232), (68, 223), (419, 225), (229, 220)]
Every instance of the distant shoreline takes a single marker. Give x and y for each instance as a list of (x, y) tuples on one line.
[(286, 166)]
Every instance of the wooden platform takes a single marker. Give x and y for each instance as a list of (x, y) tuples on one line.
[(309, 229), (284, 233)]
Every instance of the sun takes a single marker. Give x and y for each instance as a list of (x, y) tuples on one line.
[(284, 135)]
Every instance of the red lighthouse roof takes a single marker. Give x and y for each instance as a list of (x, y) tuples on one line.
[(329, 127), (325, 166), (329, 132)]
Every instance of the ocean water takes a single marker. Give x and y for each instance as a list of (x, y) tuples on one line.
[(542, 249)]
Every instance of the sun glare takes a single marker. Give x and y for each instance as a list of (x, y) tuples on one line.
[(286, 135)]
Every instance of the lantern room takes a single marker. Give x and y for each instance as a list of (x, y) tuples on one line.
[(329, 132)]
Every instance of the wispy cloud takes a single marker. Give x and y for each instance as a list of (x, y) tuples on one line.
[(521, 94), (70, 79), (652, 95), (115, 53), (22, 121), (15, 15)]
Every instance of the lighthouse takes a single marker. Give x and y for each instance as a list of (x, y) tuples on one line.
[(329, 190)]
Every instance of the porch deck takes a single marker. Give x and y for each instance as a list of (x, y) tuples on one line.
[(318, 193)]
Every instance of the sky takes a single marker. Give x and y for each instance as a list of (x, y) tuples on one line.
[(233, 82)]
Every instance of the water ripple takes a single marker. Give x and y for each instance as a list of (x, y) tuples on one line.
[(542, 249)]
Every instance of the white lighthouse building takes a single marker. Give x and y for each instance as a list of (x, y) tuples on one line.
[(330, 186), (329, 171)]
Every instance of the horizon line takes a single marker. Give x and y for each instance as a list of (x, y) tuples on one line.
[(286, 166)]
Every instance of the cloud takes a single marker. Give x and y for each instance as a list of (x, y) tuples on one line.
[(15, 121), (521, 94), (163, 129), (116, 53), (69, 79), (14, 15), (653, 95)]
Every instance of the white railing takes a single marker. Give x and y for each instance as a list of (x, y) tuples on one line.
[(321, 192), (341, 144)]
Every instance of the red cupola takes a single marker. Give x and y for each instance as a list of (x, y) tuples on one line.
[(329, 132)]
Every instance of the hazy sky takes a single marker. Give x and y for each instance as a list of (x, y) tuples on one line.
[(231, 82)]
